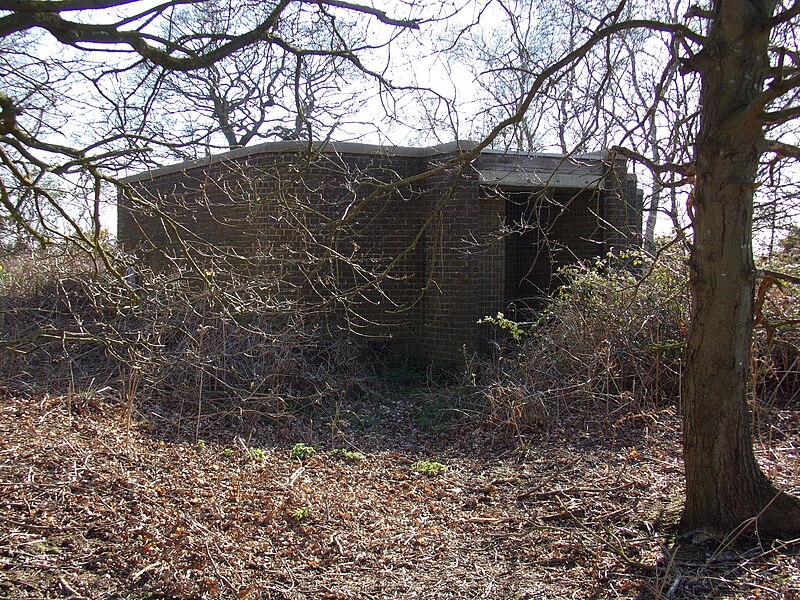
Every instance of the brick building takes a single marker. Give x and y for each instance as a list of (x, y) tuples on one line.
[(408, 245)]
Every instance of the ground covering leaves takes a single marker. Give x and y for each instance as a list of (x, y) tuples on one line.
[(101, 501)]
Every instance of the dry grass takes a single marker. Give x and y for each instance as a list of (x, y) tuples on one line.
[(610, 344), (204, 349)]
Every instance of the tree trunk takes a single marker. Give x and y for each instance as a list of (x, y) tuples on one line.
[(725, 488)]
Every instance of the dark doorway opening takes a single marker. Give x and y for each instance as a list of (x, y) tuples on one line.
[(528, 250)]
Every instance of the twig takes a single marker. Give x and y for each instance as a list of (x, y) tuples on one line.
[(567, 491), (222, 577), (73, 594)]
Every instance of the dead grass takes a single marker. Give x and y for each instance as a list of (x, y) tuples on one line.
[(96, 505)]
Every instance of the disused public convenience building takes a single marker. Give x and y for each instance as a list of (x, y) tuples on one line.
[(416, 264)]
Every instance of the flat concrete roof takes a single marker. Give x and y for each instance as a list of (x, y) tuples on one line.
[(495, 167), (298, 146)]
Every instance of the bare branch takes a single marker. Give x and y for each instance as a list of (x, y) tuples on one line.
[(785, 16), (73, 33), (369, 10), (55, 6), (783, 150), (698, 11), (666, 167), (569, 58), (780, 116)]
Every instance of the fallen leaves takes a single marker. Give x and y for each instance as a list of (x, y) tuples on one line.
[(91, 508)]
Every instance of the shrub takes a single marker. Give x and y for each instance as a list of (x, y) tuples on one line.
[(610, 340), (224, 347)]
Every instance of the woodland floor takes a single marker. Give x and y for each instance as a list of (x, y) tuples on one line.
[(94, 504)]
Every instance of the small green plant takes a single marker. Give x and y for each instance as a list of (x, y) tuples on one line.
[(302, 451), (201, 444), (300, 513), (228, 452), (429, 468), (348, 456), (256, 454), (512, 327)]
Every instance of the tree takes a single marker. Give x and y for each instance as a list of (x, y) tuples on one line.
[(259, 93), (626, 91), (724, 485), (58, 132), (743, 93), (570, 113)]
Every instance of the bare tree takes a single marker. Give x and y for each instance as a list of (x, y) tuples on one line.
[(504, 61), (740, 91), (625, 91), (56, 129), (261, 92), (746, 59)]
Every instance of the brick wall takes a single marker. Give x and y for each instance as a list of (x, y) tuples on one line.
[(464, 266), (418, 265)]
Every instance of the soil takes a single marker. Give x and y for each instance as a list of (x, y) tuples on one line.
[(100, 501)]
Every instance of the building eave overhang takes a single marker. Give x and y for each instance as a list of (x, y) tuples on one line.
[(502, 169), (522, 179), (518, 171), (329, 148)]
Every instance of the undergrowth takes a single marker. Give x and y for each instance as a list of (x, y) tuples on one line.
[(610, 343), (197, 345)]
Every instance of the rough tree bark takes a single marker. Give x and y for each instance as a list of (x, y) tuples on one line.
[(725, 488)]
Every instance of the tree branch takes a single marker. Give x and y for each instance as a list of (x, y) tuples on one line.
[(778, 275), (76, 33), (783, 150), (73, 33), (667, 167), (780, 116), (775, 90), (52, 6), (598, 36), (368, 10), (698, 11), (785, 16)]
